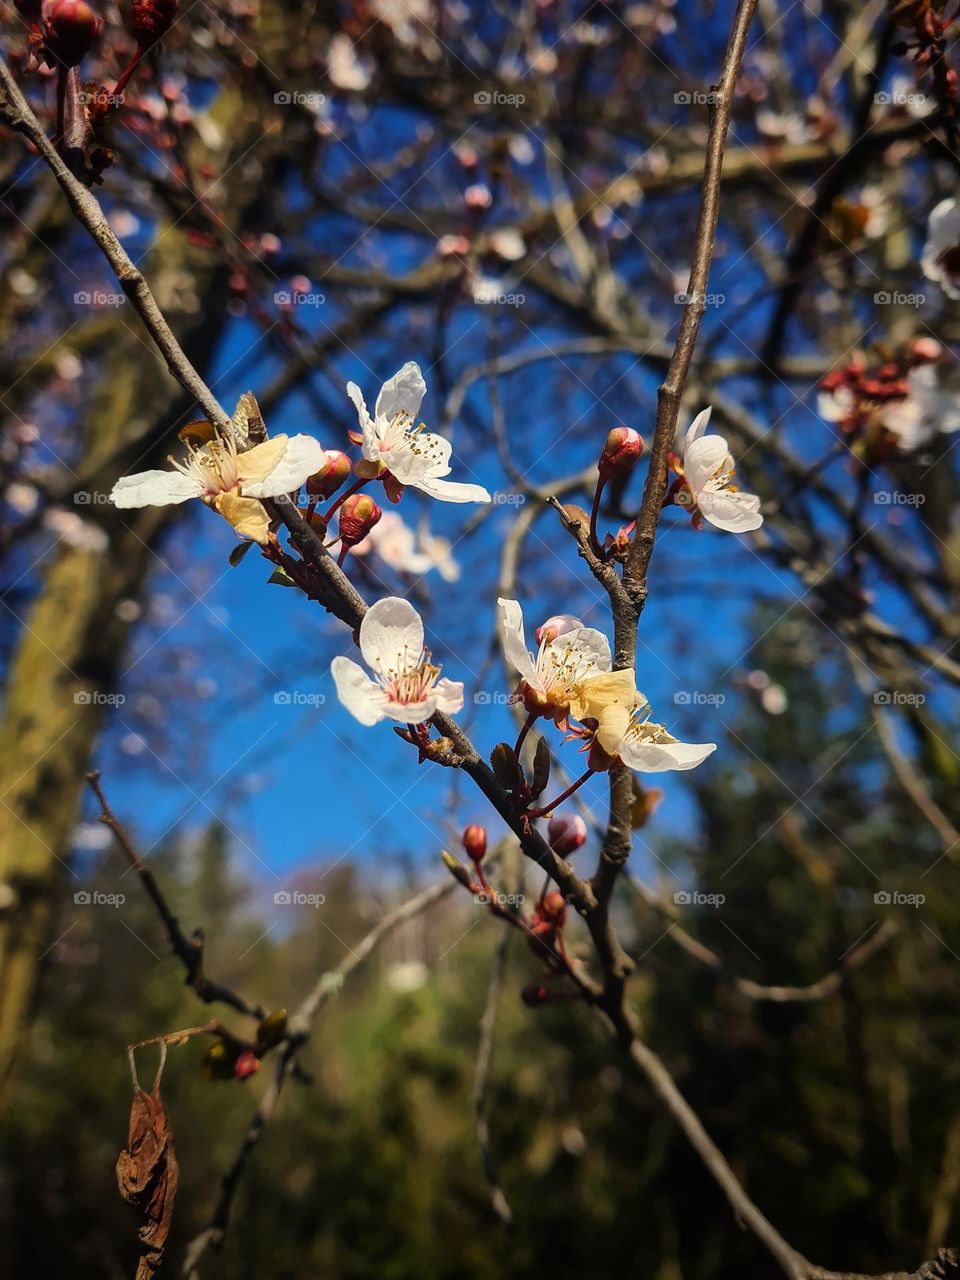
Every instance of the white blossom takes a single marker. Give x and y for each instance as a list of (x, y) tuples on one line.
[(708, 469)]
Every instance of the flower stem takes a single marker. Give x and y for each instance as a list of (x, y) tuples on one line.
[(594, 513), (347, 493), (124, 80), (527, 726), (564, 795)]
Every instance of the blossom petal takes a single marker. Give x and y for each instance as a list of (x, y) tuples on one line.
[(391, 636), (943, 232), (659, 757), (300, 458), (362, 697), (371, 441), (417, 455), (448, 695), (450, 490), (154, 489), (702, 459), (734, 512), (247, 411), (247, 515), (403, 392), (698, 426), (513, 640)]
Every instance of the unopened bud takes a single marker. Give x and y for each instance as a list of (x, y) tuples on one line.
[(558, 625), (566, 833), (622, 450), (335, 470), (358, 515), (150, 20), (70, 27), (478, 197), (247, 1064), (534, 996), (475, 842), (554, 908)]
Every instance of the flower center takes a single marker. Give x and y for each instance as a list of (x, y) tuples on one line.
[(406, 434), (410, 684), (213, 465)]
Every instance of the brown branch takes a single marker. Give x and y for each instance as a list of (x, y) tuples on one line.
[(498, 1199), (188, 950)]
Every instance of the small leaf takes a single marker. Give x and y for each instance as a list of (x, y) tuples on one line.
[(505, 765), (541, 767), (147, 1176), (645, 801), (281, 578), (457, 869), (197, 432), (238, 552), (272, 1030)]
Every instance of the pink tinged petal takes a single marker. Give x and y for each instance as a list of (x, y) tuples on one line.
[(154, 489), (702, 459), (513, 641), (410, 712), (589, 644), (698, 426), (451, 490), (733, 512), (371, 443), (403, 392), (661, 757), (301, 457), (362, 697), (391, 636)]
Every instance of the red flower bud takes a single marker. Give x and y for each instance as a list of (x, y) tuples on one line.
[(358, 515), (150, 20), (335, 470), (247, 1064), (566, 833), (534, 996), (475, 842), (558, 625), (70, 27), (621, 451), (554, 909)]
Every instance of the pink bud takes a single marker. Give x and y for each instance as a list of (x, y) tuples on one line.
[(453, 246), (70, 27), (926, 349), (554, 909), (247, 1064), (335, 470), (358, 515), (150, 20), (475, 842), (621, 451), (477, 197), (558, 625), (566, 833)]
